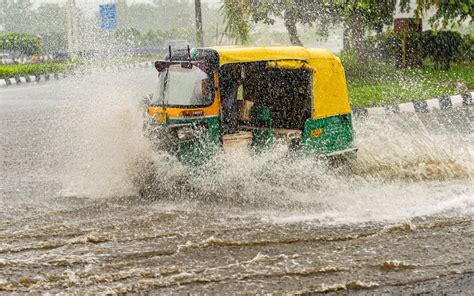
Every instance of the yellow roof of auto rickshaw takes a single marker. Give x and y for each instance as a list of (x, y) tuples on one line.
[(237, 54), (330, 95)]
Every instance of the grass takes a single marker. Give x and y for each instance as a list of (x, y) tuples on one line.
[(377, 84), (7, 71)]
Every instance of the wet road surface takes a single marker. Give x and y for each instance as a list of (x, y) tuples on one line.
[(397, 220)]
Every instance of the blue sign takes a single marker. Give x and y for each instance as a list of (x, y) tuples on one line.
[(108, 17)]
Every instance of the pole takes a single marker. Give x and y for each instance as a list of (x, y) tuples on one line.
[(199, 34), (71, 23)]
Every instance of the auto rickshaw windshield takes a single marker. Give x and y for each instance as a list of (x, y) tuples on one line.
[(183, 86)]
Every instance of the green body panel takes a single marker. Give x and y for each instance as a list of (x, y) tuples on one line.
[(199, 151), (335, 134), (320, 136)]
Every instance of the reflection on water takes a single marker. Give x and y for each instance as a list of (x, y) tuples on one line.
[(73, 159)]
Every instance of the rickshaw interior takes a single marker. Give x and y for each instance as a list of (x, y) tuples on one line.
[(285, 92)]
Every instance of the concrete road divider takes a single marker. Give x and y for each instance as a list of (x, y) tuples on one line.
[(44, 77), (423, 106)]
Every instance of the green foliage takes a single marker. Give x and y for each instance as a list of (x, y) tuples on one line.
[(167, 19), (49, 19), (442, 47), (7, 71), (466, 49), (236, 19), (448, 12), (373, 83), (387, 47), (152, 39), (21, 43), (16, 15), (370, 14), (357, 15), (129, 37), (53, 42)]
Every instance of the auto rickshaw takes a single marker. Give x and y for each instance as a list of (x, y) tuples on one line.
[(212, 98)]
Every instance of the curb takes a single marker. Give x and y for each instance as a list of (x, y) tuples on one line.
[(44, 77), (423, 106), (32, 78)]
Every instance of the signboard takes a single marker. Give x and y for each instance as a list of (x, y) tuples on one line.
[(108, 17)]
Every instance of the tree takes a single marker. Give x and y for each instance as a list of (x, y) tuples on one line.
[(49, 18), (236, 17), (241, 13), (358, 16), (20, 44), (15, 15), (322, 14), (129, 38), (448, 12), (48, 22)]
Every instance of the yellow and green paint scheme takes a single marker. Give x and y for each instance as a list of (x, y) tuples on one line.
[(328, 130)]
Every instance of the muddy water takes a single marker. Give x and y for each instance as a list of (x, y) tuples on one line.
[(397, 220)]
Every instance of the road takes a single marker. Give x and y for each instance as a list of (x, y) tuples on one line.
[(397, 220)]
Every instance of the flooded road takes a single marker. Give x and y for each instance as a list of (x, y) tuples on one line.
[(400, 219)]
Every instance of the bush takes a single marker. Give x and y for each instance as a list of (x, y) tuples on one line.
[(383, 47), (466, 49), (359, 72), (387, 48), (441, 47), (22, 43), (7, 71)]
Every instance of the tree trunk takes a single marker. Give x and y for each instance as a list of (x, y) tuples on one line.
[(290, 24)]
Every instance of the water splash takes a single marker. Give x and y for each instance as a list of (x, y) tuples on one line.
[(407, 165)]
